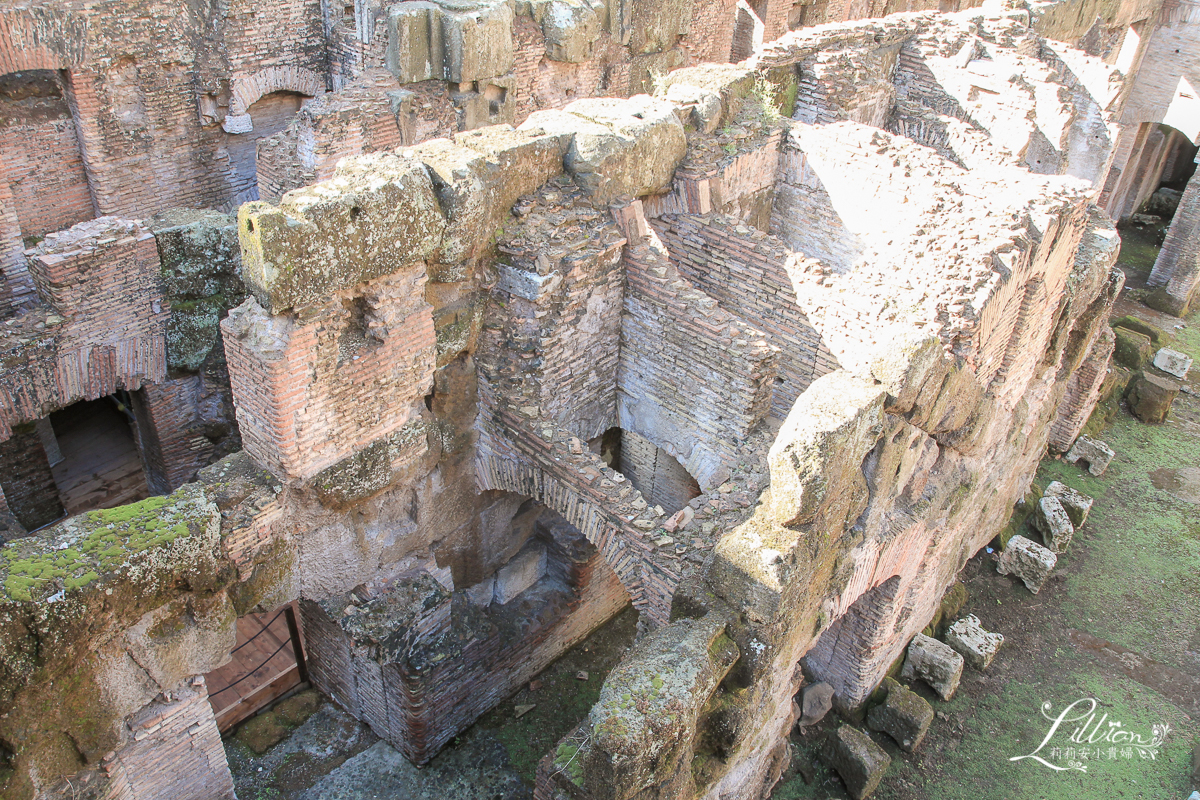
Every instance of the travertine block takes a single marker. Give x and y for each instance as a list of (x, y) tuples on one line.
[(1096, 453), (1150, 397), (905, 716), (977, 646), (1173, 362), (526, 568), (935, 663), (1027, 560), (859, 761), (1077, 504), (1051, 520)]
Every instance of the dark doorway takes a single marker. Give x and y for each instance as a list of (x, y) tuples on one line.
[(100, 465)]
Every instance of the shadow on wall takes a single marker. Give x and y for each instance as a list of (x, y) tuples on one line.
[(1057, 138)]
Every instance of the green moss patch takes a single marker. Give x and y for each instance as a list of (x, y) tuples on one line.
[(75, 553)]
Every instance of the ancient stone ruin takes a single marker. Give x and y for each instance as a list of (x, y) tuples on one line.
[(460, 326)]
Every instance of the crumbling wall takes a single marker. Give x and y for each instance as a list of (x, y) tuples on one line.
[(952, 377), (103, 329)]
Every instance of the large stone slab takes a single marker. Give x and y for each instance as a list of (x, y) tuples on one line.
[(935, 663), (525, 569), (1027, 560), (618, 147), (977, 646), (859, 761), (478, 769), (376, 216)]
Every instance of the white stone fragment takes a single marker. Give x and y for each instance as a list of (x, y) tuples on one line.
[(1173, 362), (977, 646), (1027, 560), (1077, 504), (1051, 520), (935, 663)]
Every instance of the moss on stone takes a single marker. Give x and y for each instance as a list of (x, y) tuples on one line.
[(77, 552)]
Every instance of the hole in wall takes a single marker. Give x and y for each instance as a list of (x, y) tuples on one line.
[(654, 472)]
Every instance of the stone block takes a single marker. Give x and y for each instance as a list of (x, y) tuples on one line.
[(977, 646), (1077, 504), (570, 27), (377, 215), (618, 147), (463, 44), (1095, 453), (904, 715), (1173, 362), (1027, 560), (481, 594), (704, 106), (414, 50), (935, 663), (1050, 519), (478, 41), (524, 570), (1132, 349), (815, 703), (857, 759), (1150, 397)]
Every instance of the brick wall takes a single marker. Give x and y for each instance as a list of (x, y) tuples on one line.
[(746, 271), (693, 378), (552, 329), (39, 154), (170, 432), (1177, 267), (27, 481), (106, 326), (176, 752), (655, 473), (313, 389)]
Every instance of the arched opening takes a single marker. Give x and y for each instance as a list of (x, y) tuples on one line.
[(268, 115), (654, 472), (39, 153)]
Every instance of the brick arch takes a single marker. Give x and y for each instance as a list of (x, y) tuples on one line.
[(248, 88), (41, 37), (650, 586)]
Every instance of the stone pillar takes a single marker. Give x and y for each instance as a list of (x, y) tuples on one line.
[(1176, 272)]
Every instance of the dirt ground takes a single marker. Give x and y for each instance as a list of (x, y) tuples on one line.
[(1118, 621)]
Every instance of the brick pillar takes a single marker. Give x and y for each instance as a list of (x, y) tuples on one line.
[(1176, 272), (176, 752)]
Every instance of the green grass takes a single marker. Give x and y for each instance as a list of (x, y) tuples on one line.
[(1009, 723)]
